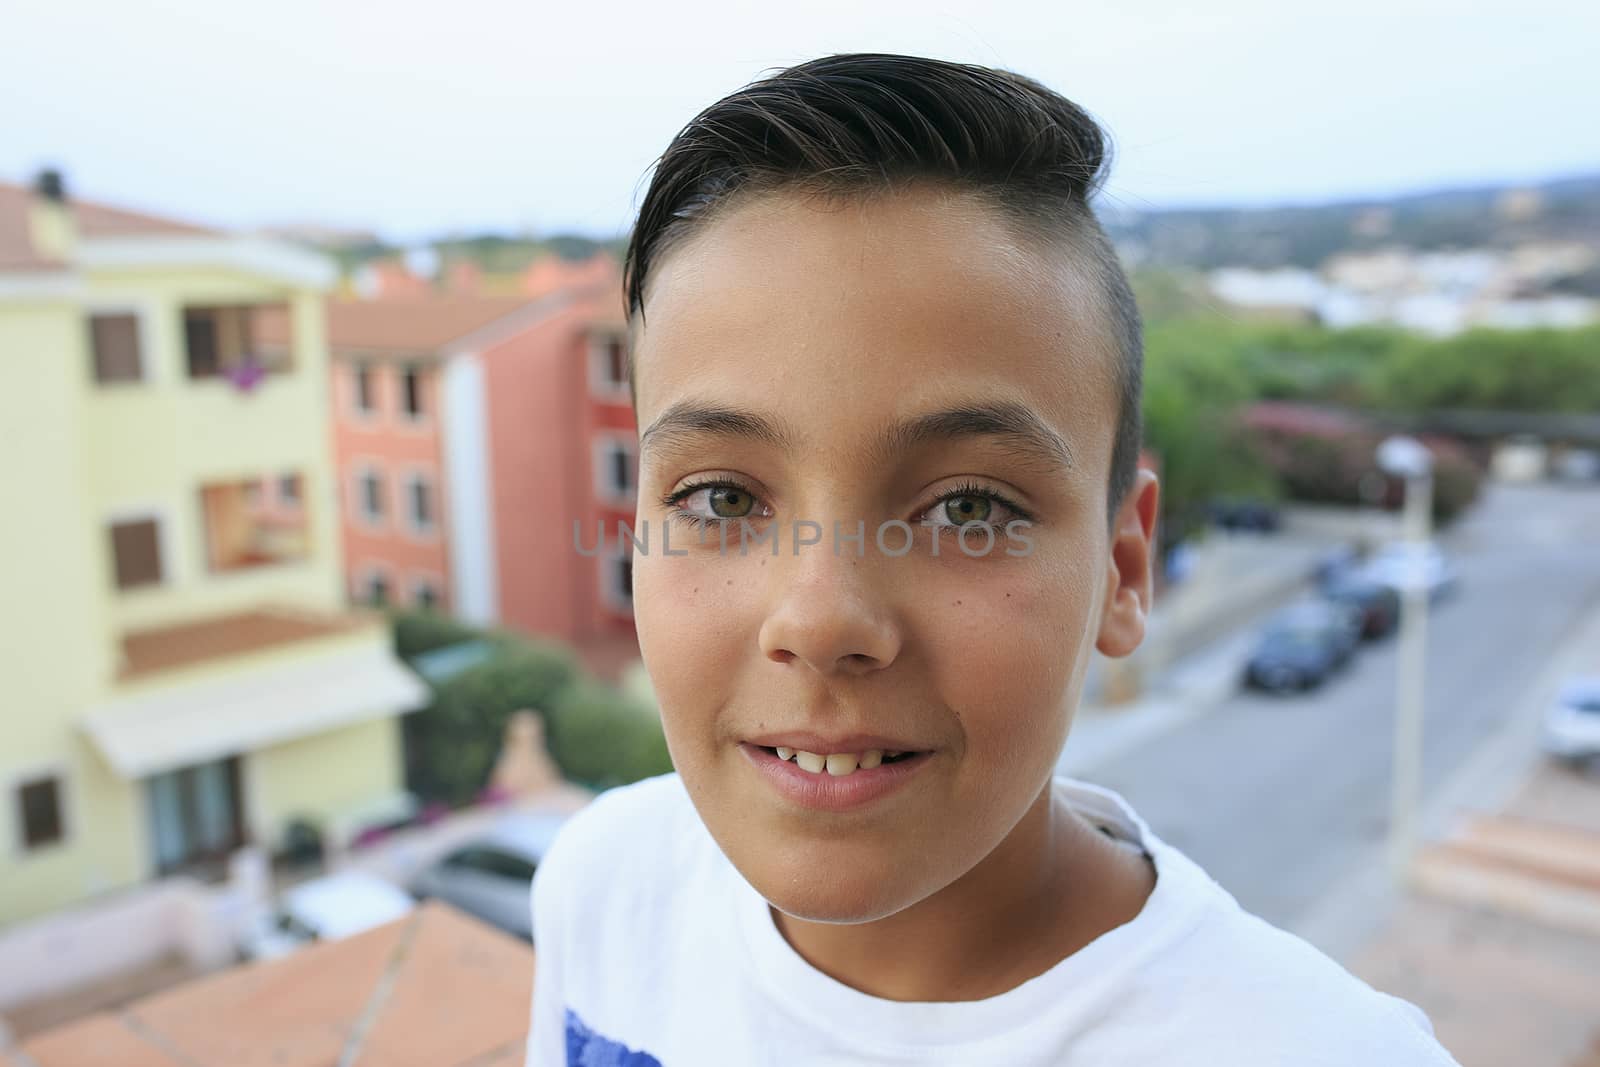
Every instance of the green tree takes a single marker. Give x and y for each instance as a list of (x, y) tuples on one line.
[(1522, 370), (1194, 389)]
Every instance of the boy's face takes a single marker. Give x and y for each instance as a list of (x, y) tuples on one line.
[(785, 343)]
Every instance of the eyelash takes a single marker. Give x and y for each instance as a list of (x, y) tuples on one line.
[(689, 518), (969, 489)]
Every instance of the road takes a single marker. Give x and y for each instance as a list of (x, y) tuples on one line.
[(1280, 798)]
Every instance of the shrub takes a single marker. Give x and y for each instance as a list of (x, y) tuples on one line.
[(417, 632), (1329, 458), (600, 738), (452, 745)]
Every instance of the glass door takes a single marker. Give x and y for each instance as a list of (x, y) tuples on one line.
[(195, 815)]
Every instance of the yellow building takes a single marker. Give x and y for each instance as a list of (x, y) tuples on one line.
[(179, 676)]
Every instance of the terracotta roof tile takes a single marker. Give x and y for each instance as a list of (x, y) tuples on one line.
[(294, 1012), (435, 989), (418, 324), (98, 1041), (552, 273), (513, 1055), (93, 220), (185, 644), (463, 993)]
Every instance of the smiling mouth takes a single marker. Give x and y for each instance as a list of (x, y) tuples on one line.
[(837, 764)]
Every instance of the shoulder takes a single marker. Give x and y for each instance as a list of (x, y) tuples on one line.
[(1274, 993), (631, 836), (1231, 987)]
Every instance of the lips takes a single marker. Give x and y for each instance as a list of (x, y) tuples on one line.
[(835, 774)]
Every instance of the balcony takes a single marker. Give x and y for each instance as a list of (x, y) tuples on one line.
[(204, 690), (228, 342)]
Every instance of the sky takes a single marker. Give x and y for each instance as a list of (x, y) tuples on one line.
[(423, 119)]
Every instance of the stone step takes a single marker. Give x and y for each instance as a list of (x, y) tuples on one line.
[(1543, 872)]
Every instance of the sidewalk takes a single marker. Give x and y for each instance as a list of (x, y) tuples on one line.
[(1499, 941), (1497, 936)]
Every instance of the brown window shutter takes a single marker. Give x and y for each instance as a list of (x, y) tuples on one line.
[(115, 341), (136, 547)]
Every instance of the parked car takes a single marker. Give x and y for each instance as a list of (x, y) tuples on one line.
[(1245, 514), (1303, 645), (491, 877), (1398, 564), (1578, 465), (327, 909), (1378, 604), (1572, 725), (1335, 565)]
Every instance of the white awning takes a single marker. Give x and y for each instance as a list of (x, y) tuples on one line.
[(157, 730)]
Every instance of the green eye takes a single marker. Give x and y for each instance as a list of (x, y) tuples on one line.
[(964, 509), (728, 502)]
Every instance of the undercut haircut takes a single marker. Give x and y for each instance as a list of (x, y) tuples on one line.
[(866, 123)]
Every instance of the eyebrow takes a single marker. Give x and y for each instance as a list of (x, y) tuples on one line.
[(1012, 423)]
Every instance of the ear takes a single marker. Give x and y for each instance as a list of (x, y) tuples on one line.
[(1130, 578)]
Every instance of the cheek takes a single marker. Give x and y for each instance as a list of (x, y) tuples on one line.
[(696, 620), (1009, 658)]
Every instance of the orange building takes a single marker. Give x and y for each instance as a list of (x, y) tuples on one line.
[(470, 433)]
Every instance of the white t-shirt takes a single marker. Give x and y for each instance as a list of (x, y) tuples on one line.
[(651, 948)]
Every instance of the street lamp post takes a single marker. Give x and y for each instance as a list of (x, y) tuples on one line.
[(1409, 459)]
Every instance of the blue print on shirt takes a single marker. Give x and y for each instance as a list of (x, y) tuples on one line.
[(585, 1048)]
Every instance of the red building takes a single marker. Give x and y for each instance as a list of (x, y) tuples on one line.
[(470, 434)]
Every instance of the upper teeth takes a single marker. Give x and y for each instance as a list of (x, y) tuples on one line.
[(836, 764)]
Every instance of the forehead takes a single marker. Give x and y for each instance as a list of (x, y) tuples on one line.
[(872, 307)]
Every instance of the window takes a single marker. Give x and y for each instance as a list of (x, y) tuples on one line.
[(424, 594), (616, 362), (608, 366), (493, 862), (200, 339), (411, 392), (615, 476), (39, 803), (245, 528), (114, 340), (616, 583), (136, 553), (366, 399), (195, 814), (289, 490), (369, 489), (377, 589), (419, 502)]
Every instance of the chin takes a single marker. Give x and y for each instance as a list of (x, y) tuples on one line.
[(811, 893)]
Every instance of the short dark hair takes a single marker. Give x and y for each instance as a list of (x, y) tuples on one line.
[(863, 122)]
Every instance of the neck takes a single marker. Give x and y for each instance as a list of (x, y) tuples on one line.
[(1052, 886)]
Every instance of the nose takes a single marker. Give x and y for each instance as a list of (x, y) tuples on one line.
[(828, 615)]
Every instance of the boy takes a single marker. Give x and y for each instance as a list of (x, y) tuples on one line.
[(869, 298)]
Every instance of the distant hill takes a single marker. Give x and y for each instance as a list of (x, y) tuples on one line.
[(1484, 216)]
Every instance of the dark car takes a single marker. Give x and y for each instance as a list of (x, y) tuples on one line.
[(1379, 604), (490, 876), (1302, 647), (1243, 514)]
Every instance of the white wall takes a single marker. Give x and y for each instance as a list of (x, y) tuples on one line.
[(474, 586)]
